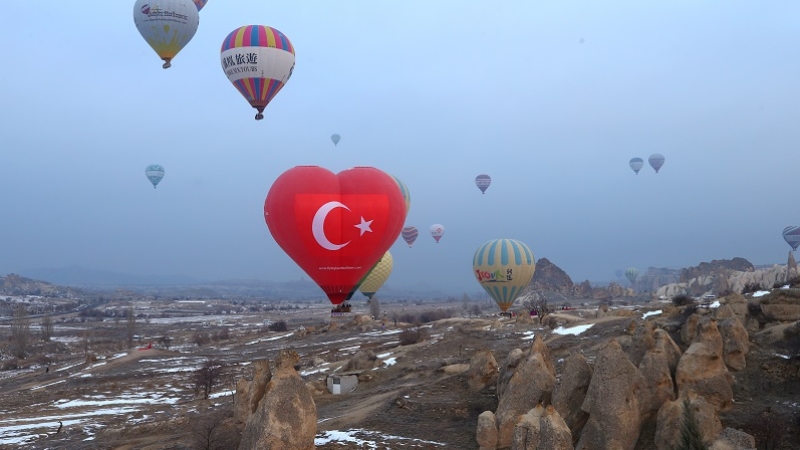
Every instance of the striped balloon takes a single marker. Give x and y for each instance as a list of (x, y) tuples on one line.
[(258, 60), (503, 267), (410, 234), (200, 4), (377, 276), (631, 273), (656, 160), (636, 164), (154, 173), (792, 236), (483, 182)]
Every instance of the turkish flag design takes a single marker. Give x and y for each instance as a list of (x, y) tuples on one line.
[(335, 227)]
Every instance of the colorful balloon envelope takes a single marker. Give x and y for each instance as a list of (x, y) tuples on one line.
[(377, 276), (200, 4), (410, 234), (636, 164), (154, 173), (483, 182), (656, 161), (503, 267), (631, 273), (258, 60), (167, 25), (792, 236), (335, 138), (437, 231), (405, 192), (335, 227)]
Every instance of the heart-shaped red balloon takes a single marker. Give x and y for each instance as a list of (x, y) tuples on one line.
[(335, 227)]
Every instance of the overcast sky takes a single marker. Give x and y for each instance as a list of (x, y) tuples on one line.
[(550, 98)]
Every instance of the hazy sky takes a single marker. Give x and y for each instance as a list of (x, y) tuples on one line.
[(550, 98)]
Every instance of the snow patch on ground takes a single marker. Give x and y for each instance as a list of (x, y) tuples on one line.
[(576, 330)]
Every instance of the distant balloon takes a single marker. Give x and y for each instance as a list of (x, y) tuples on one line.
[(404, 191), (656, 160), (377, 276), (258, 60), (200, 4), (636, 164), (792, 236), (619, 273), (437, 231), (503, 267), (410, 234), (154, 173), (167, 26), (631, 273), (335, 138), (483, 181)]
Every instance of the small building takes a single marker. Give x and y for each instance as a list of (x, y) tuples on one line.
[(342, 384)]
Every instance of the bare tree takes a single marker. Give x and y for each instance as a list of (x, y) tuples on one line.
[(375, 307), (207, 376), (20, 332), (46, 328), (131, 326), (210, 432)]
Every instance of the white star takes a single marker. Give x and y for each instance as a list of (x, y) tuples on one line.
[(364, 226)]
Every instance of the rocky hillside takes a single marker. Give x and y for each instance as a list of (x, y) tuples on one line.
[(551, 282), (655, 277), (16, 285), (716, 267)]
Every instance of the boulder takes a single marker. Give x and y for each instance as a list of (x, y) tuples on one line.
[(487, 431), (658, 378), (663, 340), (670, 418), (781, 305), (527, 432), (513, 359), (554, 433), (483, 371), (249, 393), (731, 439), (570, 391), (689, 329), (702, 369), (639, 340), (612, 402), (286, 417)]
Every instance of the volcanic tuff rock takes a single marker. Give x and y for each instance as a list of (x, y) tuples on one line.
[(250, 393), (612, 402), (655, 277), (550, 278), (541, 429), (735, 339), (286, 418), (670, 418), (570, 391), (483, 371), (532, 382), (486, 434), (781, 305), (702, 369)]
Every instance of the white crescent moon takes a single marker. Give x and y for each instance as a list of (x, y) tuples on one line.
[(318, 225)]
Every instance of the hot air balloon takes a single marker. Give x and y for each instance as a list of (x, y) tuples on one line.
[(379, 274), (405, 192), (792, 236), (618, 273), (335, 227), (503, 267), (410, 235), (437, 231), (631, 273), (154, 173), (636, 164), (258, 60), (200, 4), (167, 25), (656, 160), (336, 138), (483, 182)]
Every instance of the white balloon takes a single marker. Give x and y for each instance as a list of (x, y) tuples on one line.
[(167, 25)]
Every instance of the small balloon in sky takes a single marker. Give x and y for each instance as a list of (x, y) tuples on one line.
[(656, 160), (335, 138), (636, 164), (154, 173)]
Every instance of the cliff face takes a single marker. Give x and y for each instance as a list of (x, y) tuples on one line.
[(655, 277), (716, 267), (548, 277)]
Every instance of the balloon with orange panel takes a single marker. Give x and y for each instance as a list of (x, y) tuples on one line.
[(335, 227)]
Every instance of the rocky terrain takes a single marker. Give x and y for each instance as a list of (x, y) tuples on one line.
[(594, 377)]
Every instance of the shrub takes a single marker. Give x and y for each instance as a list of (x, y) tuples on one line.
[(682, 300), (201, 338), (768, 429), (280, 325), (413, 335), (207, 376), (550, 322), (10, 364), (751, 287), (691, 439)]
